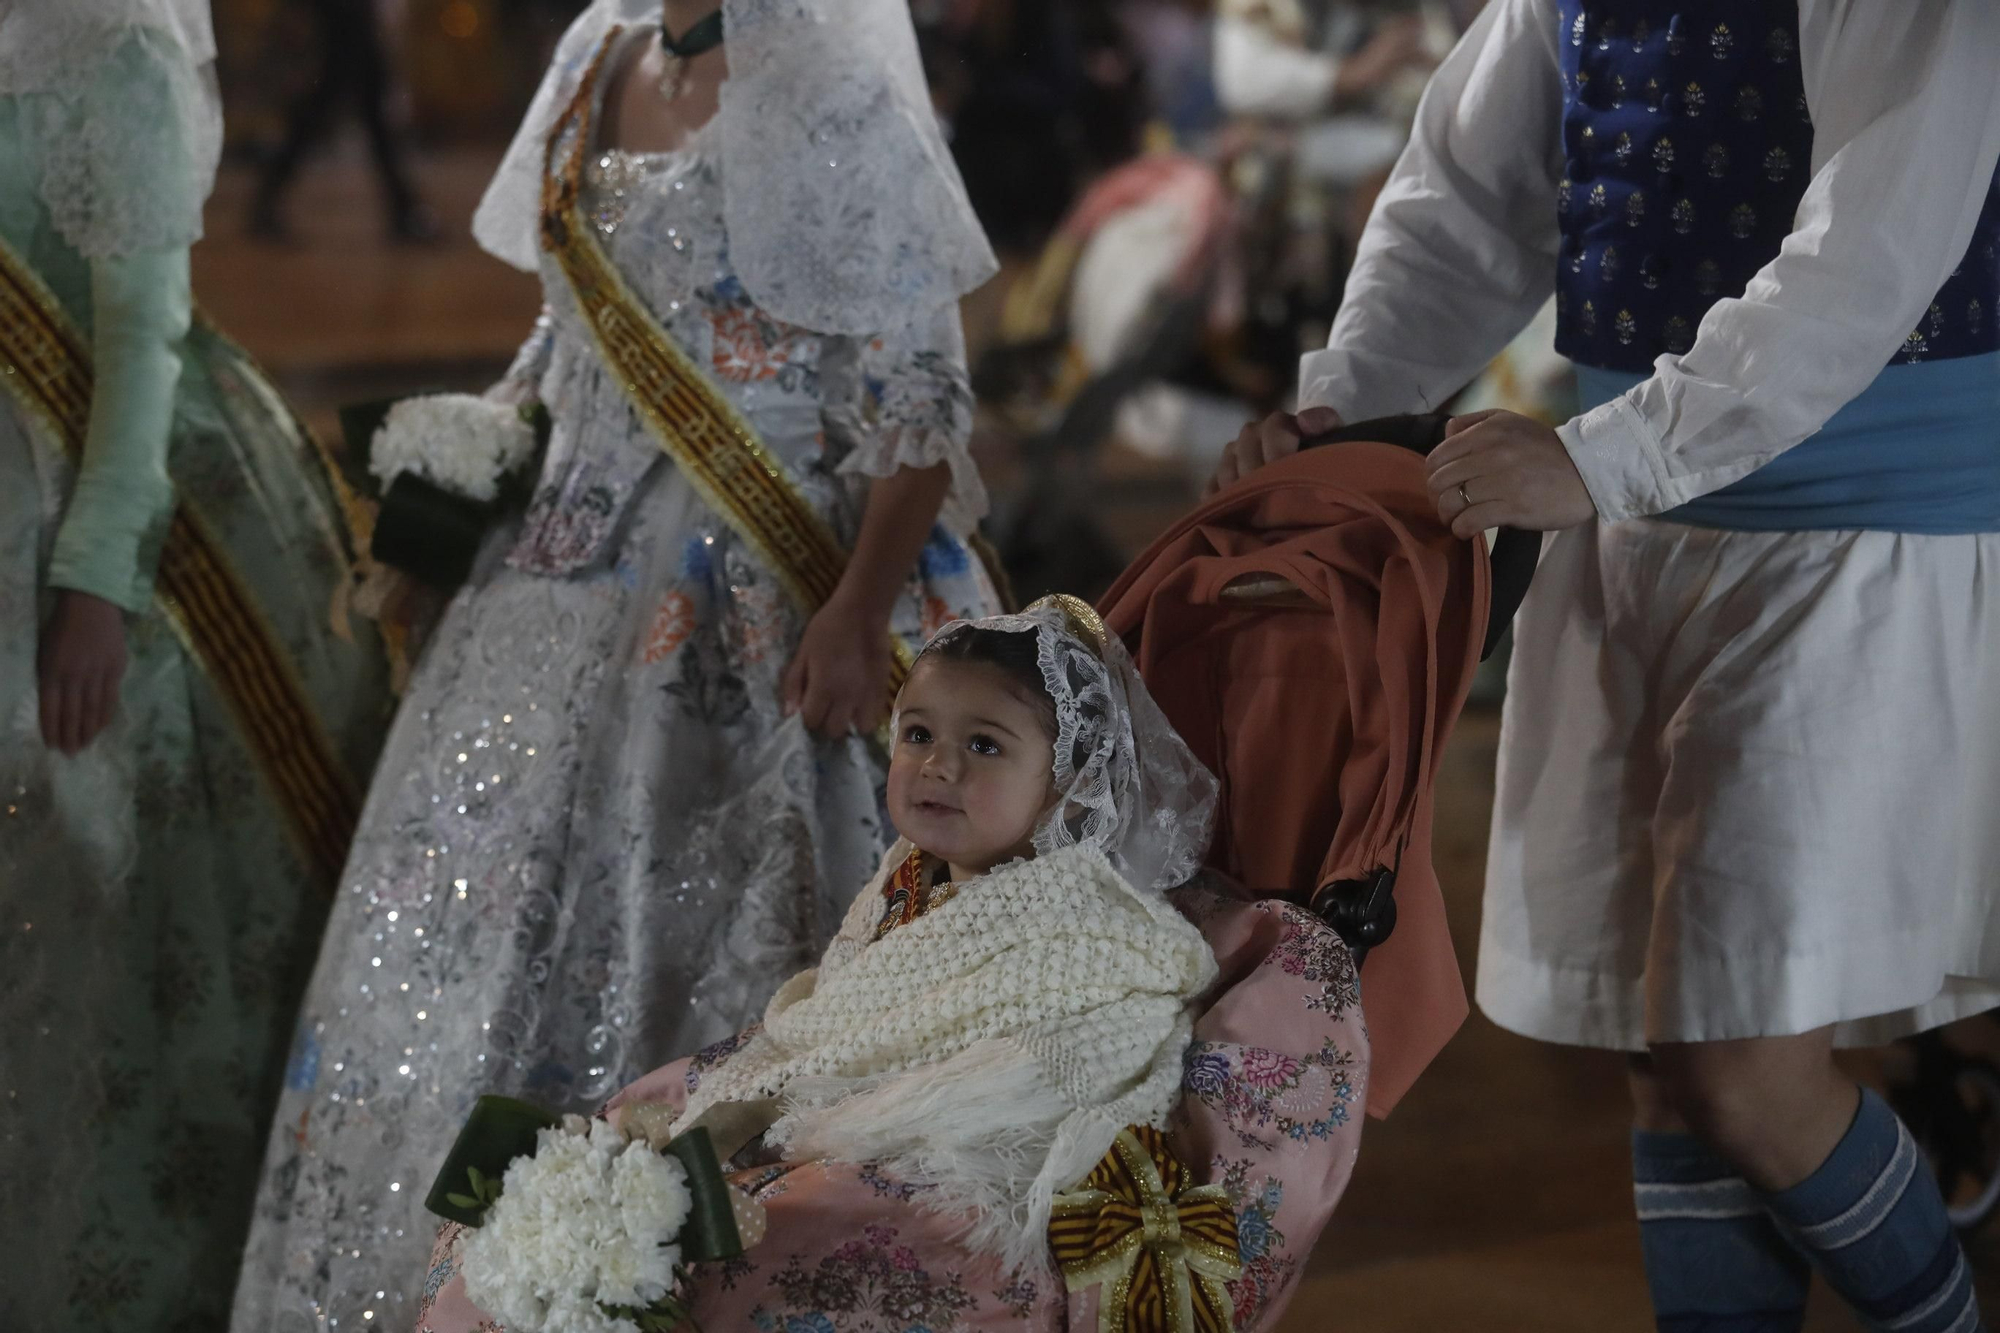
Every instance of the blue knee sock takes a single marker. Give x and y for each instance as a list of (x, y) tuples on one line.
[(1715, 1262), (1874, 1224)]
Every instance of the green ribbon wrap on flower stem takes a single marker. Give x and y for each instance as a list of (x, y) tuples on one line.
[(501, 1129)]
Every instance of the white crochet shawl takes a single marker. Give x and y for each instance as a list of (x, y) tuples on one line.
[(992, 1048)]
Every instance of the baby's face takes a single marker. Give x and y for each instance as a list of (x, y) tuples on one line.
[(971, 772)]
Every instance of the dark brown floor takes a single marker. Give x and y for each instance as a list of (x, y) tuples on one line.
[(1497, 1198)]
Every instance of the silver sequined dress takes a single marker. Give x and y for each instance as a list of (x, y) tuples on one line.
[(594, 843)]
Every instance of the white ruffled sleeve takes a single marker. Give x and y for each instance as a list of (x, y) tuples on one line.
[(912, 408), (128, 147)]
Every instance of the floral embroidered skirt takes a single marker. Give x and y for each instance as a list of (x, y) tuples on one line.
[(593, 842), (1270, 1110)]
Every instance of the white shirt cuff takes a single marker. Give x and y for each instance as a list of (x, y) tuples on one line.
[(1621, 461)]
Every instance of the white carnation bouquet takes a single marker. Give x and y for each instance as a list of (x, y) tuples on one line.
[(583, 1236), (456, 441), (580, 1226)]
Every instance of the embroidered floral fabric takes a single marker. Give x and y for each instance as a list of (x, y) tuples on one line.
[(851, 1250), (837, 410)]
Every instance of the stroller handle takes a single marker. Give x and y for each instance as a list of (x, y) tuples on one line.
[(1515, 552)]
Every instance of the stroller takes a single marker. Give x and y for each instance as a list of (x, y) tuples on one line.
[(1320, 598), (1330, 563)]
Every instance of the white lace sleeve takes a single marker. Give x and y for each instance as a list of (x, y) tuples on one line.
[(509, 213), (913, 409), (128, 146)]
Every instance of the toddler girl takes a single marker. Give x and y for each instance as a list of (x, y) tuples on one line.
[(1012, 992)]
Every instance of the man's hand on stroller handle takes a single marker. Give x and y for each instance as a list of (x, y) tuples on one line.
[(1261, 442), (1499, 469), (1495, 469)]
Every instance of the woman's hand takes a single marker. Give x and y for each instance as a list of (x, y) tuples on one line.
[(838, 682), (1261, 442), (1500, 469), (82, 661)]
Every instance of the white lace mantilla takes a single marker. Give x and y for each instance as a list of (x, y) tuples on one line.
[(1129, 785)]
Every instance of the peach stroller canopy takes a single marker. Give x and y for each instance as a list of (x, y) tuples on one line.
[(1312, 632)]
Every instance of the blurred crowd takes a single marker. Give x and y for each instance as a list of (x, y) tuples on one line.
[(1141, 166)]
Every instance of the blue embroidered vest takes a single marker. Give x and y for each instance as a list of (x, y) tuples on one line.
[(1688, 147)]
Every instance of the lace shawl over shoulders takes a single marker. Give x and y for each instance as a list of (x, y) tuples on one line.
[(127, 139), (822, 120)]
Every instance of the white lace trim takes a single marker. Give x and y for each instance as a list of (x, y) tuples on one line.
[(844, 210), (884, 451), (125, 120), (43, 43), (1129, 785)]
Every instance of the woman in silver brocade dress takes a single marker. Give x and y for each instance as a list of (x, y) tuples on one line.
[(551, 891)]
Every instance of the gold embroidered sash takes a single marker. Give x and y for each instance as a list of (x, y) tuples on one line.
[(691, 419), (46, 367)]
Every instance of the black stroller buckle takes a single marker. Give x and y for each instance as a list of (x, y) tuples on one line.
[(1361, 911)]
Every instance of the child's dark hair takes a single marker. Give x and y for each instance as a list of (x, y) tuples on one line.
[(1011, 652)]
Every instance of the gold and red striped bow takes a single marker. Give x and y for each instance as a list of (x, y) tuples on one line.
[(1161, 1245)]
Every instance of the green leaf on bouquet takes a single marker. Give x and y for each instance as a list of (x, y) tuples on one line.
[(539, 421), (499, 1130), (710, 1232)]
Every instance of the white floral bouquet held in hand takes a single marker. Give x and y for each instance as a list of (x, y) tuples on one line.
[(587, 1230), (459, 443), (577, 1233)]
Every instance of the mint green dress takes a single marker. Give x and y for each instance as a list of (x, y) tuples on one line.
[(156, 919)]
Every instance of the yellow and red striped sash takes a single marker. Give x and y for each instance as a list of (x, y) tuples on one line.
[(46, 367)]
